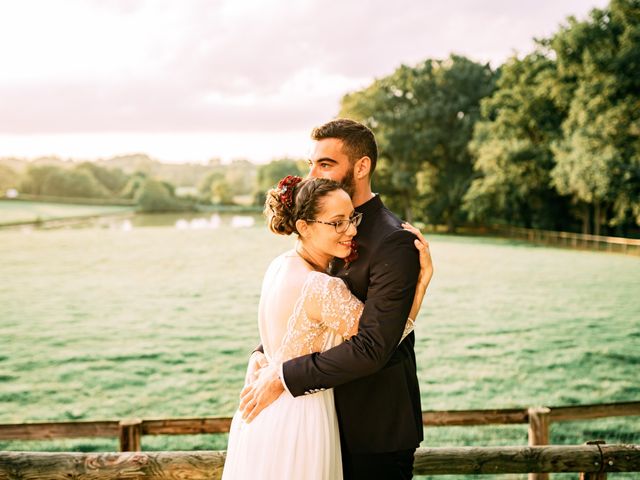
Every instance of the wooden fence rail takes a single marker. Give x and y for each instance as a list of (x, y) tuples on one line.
[(569, 239), (129, 431), (592, 459)]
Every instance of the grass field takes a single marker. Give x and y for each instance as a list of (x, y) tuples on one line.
[(158, 322), (22, 211)]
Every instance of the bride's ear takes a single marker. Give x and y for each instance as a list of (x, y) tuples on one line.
[(303, 228)]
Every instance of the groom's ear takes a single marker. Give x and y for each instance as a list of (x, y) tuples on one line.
[(362, 168)]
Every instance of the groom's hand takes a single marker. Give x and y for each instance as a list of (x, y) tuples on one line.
[(261, 393)]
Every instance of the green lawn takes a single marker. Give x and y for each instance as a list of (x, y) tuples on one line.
[(14, 211), (158, 322)]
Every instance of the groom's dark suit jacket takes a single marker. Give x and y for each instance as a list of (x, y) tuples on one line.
[(374, 380)]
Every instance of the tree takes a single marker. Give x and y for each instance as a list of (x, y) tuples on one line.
[(598, 156), (221, 192), (512, 148), (113, 179), (240, 176), (206, 184), (51, 180), (423, 117), (8, 178), (154, 196), (133, 185), (35, 177), (560, 137), (269, 174), (73, 183)]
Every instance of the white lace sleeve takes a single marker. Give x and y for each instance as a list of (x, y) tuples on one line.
[(329, 300), (325, 304)]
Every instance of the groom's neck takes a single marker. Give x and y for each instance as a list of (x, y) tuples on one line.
[(362, 195)]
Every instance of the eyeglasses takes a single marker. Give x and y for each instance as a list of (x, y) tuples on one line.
[(342, 226)]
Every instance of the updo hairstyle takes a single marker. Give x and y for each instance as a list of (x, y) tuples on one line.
[(306, 196)]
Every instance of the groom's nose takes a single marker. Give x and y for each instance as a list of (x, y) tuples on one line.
[(314, 171)]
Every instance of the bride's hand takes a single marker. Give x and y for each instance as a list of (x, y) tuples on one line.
[(257, 361), (261, 393), (426, 269)]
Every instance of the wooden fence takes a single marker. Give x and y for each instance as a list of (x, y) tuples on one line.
[(130, 431), (593, 461), (573, 240)]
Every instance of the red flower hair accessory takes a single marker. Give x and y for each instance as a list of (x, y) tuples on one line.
[(286, 186), (353, 256)]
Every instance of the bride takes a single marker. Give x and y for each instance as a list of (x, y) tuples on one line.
[(304, 310)]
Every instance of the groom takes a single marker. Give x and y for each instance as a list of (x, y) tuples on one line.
[(374, 379)]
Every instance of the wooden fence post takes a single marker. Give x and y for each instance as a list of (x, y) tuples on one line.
[(595, 475), (130, 433), (539, 433)]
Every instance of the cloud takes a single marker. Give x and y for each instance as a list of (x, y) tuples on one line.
[(163, 107), (225, 65)]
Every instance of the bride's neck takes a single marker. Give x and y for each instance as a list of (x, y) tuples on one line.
[(318, 261)]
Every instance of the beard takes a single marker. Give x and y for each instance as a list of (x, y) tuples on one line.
[(348, 183)]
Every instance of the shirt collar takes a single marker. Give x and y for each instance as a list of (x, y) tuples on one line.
[(371, 205)]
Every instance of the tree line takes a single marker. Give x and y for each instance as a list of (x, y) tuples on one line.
[(150, 185), (550, 140)]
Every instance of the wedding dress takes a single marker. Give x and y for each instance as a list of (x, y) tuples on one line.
[(295, 438)]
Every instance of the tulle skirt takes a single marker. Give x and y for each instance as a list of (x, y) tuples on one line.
[(291, 439)]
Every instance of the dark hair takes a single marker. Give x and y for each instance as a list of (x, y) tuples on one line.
[(357, 139), (282, 217)]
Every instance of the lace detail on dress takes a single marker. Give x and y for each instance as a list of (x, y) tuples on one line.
[(408, 328), (338, 308), (325, 306)]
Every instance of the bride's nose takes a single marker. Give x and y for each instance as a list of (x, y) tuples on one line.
[(352, 230)]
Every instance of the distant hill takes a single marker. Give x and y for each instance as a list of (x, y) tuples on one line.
[(19, 165), (180, 175), (137, 162)]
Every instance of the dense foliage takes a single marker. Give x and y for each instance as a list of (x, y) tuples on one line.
[(550, 140), (423, 117)]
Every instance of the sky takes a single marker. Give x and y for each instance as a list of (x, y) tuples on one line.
[(191, 80)]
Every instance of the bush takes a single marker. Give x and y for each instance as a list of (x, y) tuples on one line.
[(154, 196)]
